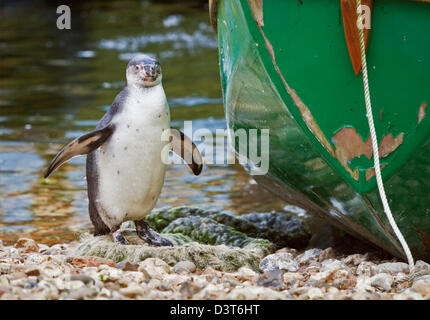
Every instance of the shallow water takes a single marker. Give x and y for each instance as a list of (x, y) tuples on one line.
[(56, 85)]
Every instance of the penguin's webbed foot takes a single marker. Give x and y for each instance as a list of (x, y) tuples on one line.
[(118, 237), (148, 235)]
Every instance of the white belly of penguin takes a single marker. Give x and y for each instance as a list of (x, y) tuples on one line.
[(131, 173)]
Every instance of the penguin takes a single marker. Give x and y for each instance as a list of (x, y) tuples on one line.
[(124, 168)]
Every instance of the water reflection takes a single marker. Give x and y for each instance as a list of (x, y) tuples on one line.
[(56, 84)]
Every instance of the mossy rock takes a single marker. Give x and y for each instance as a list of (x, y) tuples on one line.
[(219, 257), (208, 231), (279, 228), (206, 237)]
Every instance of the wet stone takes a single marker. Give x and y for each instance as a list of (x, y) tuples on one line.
[(82, 277), (127, 266), (271, 278), (27, 245), (422, 285), (422, 268), (393, 267), (184, 266), (90, 262), (382, 281), (32, 272), (279, 261), (326, 254), (309, 255)]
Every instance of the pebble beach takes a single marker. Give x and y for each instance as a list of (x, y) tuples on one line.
[(30, 270)]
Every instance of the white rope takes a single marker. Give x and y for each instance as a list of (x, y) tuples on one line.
[(376, 150)]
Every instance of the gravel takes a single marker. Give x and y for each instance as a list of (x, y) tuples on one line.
[(29, 270)]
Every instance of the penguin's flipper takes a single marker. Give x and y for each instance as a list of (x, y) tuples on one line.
[(81, 145), (187, 150)]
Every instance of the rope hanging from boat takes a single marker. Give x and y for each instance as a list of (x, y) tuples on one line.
[(376, 150)]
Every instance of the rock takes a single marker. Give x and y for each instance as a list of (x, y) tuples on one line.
[(318, 278), (81, 262), (80, 293), (332, 265), (253, 293), (326, 254), (159, 219), (5, 268), (219, 257), (288, 250), (334, 293), (107, 273), (247, 274), (422, 285), (314, 294), (132, 291), (208, 231), (56, 249), (51, 269), (354, 259), (308, 256), (292, 279), (127, 266), (36, 259), (366, 268), (27, 245), (4, 289), (50, 289), (282, 229), (392, 267), (32, 271), (81, 277), (365, 295), (382, 281), (210, 292), (43, 247), (343, 280), (64, 283), (279, 261), (189, 288), (155, 268), (184, 266), (271, 278), (421, 268), (409, 294)]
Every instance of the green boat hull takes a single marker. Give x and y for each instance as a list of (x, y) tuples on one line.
[(286, 68)]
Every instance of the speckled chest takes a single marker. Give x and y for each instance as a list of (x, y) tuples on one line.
[(131, 173)]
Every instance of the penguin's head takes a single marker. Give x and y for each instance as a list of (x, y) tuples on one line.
[(143, 71)]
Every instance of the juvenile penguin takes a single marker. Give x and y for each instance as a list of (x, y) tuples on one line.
[(124, 168)]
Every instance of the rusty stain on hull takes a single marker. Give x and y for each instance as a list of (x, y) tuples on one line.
[(422, 112), (256, 7), (304, 110), (388, 144), (350, 145), (370, 172)]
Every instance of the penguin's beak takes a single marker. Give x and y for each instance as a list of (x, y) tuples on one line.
[(152, 71)]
